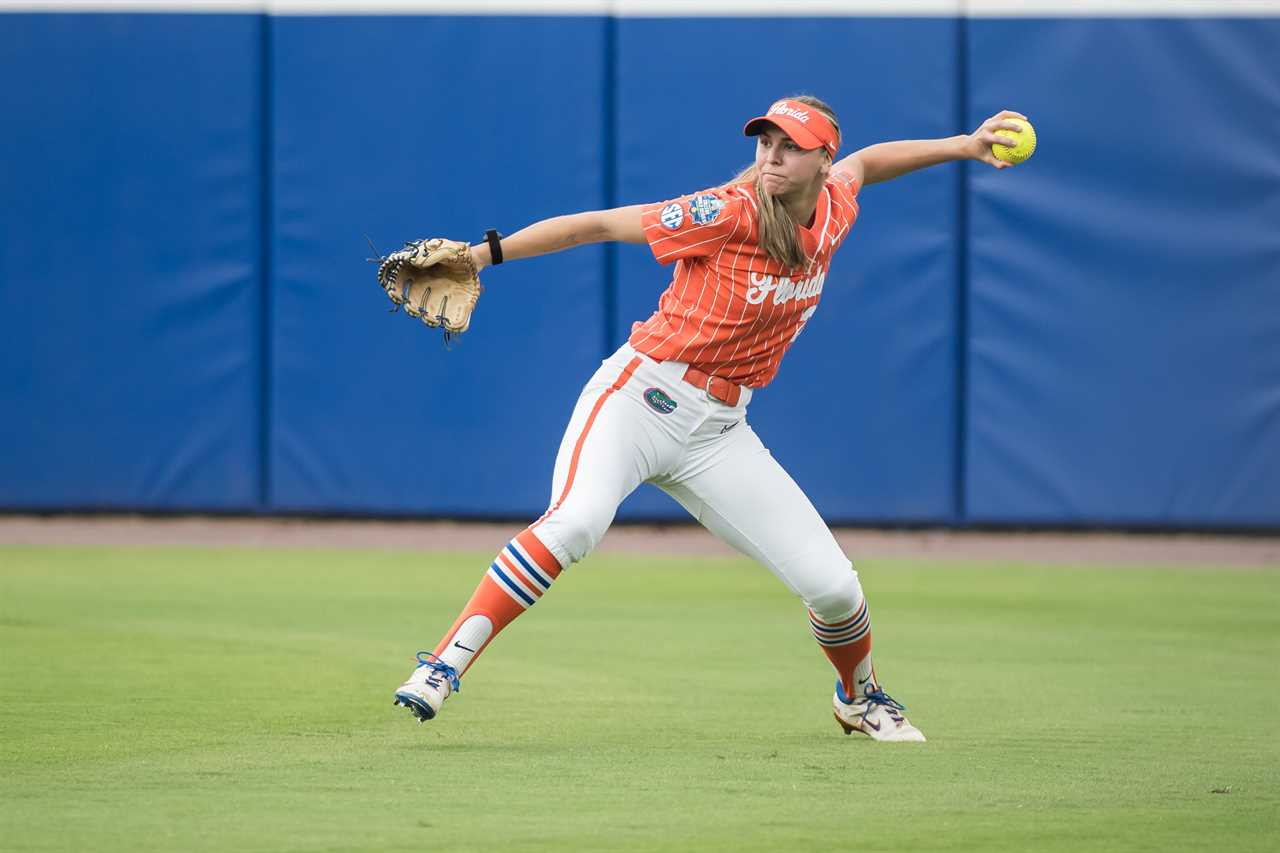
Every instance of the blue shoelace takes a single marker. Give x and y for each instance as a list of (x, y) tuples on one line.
[(879, 697), (437, 665)]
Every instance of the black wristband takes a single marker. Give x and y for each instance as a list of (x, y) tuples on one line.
[(494, 239)]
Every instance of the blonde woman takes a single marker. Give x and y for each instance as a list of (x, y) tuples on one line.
[(669, 407)]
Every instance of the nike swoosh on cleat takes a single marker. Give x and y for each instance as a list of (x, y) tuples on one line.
[(875, 726), (460, 646)]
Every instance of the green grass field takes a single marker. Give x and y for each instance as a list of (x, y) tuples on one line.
[(240, 700)]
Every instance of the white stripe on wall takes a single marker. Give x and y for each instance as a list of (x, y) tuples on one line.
[(682, 8), (168, 6), (1121, 8), (939, 8), (440, 7), (628, 8)]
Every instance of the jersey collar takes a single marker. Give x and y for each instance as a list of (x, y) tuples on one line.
[(814, 240)]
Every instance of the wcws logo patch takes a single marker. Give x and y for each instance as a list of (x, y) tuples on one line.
[(784, 289)]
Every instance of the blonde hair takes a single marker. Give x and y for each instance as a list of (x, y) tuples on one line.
[(777, 227)]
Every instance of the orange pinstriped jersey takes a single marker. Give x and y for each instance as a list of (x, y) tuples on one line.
[(731, 310)]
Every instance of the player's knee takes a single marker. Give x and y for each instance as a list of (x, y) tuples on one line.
[(576, 530), (839, 595)]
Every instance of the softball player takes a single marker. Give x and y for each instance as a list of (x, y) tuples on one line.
[(669, 407)]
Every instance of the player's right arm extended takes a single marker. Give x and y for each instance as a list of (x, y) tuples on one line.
[(621, 224)]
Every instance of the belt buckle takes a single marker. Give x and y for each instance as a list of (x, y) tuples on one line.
[(707, 389)]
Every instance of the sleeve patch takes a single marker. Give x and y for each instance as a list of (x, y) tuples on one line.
[(672, 216), (846, 180), (703, 209)]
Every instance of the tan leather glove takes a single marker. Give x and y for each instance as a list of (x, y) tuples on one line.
[(435, 280)]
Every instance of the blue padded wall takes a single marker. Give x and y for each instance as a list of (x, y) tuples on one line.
[(1115, 359), (131, 143), (862, 413), (1125, 314), (369, 412)]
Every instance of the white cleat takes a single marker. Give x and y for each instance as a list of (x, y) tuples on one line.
[(876, 715), (428, 686)]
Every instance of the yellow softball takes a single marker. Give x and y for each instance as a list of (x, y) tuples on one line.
[(1026, 142)]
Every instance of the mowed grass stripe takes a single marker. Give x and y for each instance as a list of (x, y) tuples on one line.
[(182, 699)]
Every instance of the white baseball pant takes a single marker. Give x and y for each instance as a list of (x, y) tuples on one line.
[(705, 455)]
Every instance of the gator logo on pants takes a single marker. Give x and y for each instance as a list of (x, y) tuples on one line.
[(659, 401)]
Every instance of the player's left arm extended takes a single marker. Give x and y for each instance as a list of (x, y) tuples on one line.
[(885, 161), (621, 224)]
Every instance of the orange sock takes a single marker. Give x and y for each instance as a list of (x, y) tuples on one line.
[(847, 644), (518, 577)]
